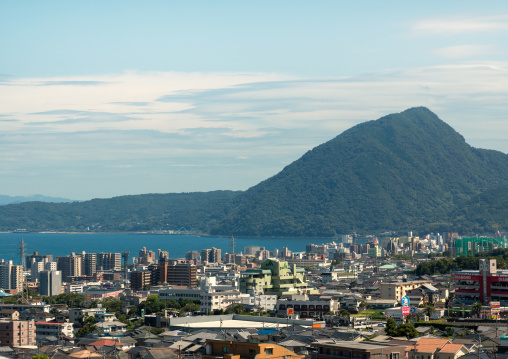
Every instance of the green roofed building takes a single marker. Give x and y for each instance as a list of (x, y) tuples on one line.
[(275, 277), (471, 246)]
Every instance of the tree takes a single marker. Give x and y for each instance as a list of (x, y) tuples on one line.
[(238, 308), (40, 356), (429, 310), (344, 313), (407, 330), (477, 308), (363, 305), (391, 327), (87, 327)]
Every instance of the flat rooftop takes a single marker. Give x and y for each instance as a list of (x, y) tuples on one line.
[(233, 324)]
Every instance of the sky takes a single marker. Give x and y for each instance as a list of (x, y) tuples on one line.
[(101, 99)]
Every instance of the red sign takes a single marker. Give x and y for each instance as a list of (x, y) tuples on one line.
[(405, 311), (290, 311)]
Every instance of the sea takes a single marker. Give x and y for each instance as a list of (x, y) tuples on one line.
[(62, 244)]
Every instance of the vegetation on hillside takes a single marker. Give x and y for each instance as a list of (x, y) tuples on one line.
[(406, 171), (448, 265)]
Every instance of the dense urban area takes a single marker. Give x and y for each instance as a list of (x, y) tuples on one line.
[(432, 297)]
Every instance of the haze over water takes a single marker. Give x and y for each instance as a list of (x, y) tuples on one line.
[(62, 244)]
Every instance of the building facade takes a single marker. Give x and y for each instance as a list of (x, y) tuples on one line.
[(15, 333)]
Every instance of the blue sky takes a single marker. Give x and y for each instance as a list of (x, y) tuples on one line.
[(100, 99)]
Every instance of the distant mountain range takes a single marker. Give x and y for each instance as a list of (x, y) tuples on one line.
[(406, 171), (36, 197)]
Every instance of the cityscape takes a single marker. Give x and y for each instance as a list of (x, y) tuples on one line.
[(254, 179), (374, 290)]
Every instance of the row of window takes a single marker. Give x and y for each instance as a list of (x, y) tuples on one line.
[(305, 307)]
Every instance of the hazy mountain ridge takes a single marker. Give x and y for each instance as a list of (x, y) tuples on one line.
[(4, 199), (406, 171)]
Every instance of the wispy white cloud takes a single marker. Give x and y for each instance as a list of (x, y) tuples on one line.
[(460, 24), (164, 132), (463, 51)]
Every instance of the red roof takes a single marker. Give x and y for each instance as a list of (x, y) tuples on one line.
[(106, 342), (50, 323)]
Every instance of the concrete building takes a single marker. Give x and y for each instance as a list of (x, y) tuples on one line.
[(15, 333), (70, 266), (44, 329), (140, 279), (50, 283), (219, 301), (305, 308), (398, 290), (357, 350), (36, 257), (212, 255), (275, 277), (89, 263), (11, 276), (484, 285)]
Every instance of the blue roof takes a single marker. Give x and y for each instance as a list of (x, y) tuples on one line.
[(267, 331)]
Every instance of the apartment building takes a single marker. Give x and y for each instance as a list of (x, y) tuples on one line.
[(398, 290), (15, 333)]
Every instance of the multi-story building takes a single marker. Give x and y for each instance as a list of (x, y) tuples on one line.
[(146, 257), (219, 300), (488, 284), (305, 308), (89, 263), (70, 266), (50, 283), (350, 349), (398, 290), (140, 279), (191, 255), (15, 333), (45, 329), (36, 257), (109, 261), (275, 277), (212, 255), (183, 274)]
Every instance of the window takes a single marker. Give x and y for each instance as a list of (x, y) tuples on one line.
[(395, 355), (252, 352), (311, 307), (304, 306), (297, 306), (318, 307), (268, 351), (225, 349), (282, 306)]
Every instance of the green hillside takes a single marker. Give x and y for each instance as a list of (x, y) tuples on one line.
[(402, 171), (405, 171), (126, 213)]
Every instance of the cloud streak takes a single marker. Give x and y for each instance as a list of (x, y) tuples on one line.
[(460, 25), (165, 132)]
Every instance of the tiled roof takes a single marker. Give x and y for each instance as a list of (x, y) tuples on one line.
[(451, 348)]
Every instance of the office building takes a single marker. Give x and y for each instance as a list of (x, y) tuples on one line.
[(50, 283)]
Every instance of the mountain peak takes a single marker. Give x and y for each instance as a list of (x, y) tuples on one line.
[(398, 171)]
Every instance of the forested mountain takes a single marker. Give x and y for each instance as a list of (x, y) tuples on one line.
[(145, 212), (405, 171)]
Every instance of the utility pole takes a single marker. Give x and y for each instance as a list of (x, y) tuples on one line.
[(233, 246)]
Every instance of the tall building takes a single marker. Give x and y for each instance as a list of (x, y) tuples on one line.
[(140, 279), (5, 274), (51, 283), (146, 257), (70, 266), (30, 258), (15, 333), (89, 263), (109, 261), (211, 255), (191, 255), (183, 274)]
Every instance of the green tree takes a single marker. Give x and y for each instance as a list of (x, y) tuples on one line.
[(429, 310), (88, 326), (407, 330), (391, 327), (238, 308), (477, 308), (40, 356)]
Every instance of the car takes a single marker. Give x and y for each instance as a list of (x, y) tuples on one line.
[(381, 325)]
